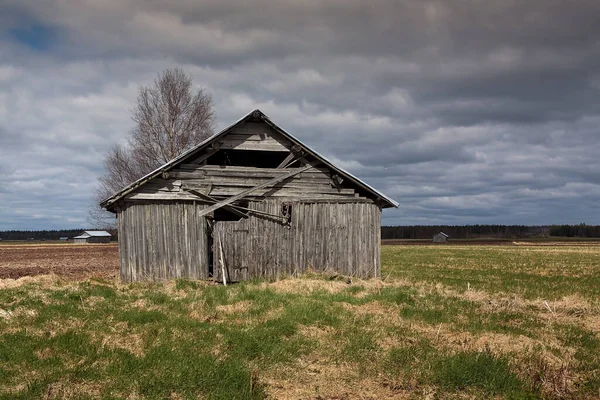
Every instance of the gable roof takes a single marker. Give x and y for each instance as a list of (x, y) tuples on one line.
[(254, 114), (442, 233), (87, 234)]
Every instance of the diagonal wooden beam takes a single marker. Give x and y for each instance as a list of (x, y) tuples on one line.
[(231, 209), (245, 193), (287, 160)]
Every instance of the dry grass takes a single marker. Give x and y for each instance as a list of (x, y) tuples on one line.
[(439, 319)]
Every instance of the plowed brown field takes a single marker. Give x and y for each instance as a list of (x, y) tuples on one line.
[(67, 260)]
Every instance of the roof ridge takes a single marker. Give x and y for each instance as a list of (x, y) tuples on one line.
[(134, 185)]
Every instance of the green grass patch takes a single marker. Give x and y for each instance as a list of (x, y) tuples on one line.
[(479, 373), (418, 332)]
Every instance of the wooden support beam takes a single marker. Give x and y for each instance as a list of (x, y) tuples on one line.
[(249, 191), (222, 259), (287, 160), (231, 209), (237, 210)]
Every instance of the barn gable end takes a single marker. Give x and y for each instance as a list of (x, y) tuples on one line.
[(250, 201)]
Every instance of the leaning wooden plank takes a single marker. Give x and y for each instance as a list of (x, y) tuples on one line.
[(236, 209), (287, 160), (222, 259), (212, 200), (249, 191)]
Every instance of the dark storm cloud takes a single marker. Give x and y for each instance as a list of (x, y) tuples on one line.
[(465, 111)]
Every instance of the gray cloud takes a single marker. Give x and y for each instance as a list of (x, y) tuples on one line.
[(466, 112)]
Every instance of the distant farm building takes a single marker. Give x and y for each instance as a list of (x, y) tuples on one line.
[(251, 201), (63, 238), (93, 237), (440, 237)]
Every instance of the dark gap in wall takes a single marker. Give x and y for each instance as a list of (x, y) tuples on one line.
[(248, 158), (222, 214)]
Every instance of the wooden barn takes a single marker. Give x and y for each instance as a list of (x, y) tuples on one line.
[(440, 237), (251, 201), (92, 237)]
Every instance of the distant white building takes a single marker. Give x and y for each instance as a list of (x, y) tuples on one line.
[(440, 237), (93, 237), (63, 238)]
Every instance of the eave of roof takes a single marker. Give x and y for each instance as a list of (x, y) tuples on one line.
[(98, 233), (389, 202)]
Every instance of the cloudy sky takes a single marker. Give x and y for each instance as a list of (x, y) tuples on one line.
[(463, 111)]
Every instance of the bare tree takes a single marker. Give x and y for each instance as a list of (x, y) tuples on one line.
[(170, 117)]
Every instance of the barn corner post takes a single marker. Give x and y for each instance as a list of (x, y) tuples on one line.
[(251, 201)]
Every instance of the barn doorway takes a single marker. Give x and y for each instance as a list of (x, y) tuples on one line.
[(220, 216)]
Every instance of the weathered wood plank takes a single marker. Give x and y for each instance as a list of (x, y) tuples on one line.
[(162, 196), (249, 191), (286, 161), (254, 137), (246, 181), (280, 191), (236, 168), (227, 173), (258, 146), (163, 240), (212, 200)]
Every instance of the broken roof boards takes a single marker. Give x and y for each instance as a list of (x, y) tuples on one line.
[(275, 205)]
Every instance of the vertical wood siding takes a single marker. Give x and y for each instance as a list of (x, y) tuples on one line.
[(339, 237), (162, 240)]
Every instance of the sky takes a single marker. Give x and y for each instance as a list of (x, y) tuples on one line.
[(465, 112)]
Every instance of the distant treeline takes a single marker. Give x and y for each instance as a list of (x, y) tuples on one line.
[(393, 232), (489, 231), (581, 230), (40, 235)]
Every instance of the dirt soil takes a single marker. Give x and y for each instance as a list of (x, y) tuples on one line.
[(66, 260), (424, 242), (490, 242)]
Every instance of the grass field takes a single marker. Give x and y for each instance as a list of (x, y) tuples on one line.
[(512, 322)]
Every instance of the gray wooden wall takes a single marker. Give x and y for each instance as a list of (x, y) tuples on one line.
[(162, 240), (231, 180), (340, 237)]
